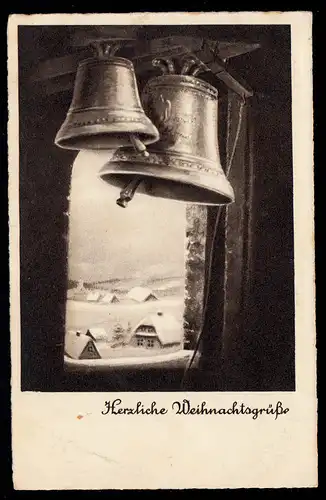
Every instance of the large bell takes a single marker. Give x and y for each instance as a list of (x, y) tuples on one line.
[(184, 164), (106, 111)]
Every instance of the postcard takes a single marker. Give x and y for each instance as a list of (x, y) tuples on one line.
[(162, 274)]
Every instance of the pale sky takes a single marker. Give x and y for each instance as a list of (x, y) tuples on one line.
[(146, 239)]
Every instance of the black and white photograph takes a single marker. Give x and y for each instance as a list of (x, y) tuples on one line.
[(156, 198), (156, 192)]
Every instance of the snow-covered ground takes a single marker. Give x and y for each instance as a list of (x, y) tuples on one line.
[(178, 359)]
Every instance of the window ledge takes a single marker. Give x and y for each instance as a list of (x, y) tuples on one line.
[(170, 360)]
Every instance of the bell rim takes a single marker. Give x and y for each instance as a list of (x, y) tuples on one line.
[(67, 142), (154, 170), (68, 134)]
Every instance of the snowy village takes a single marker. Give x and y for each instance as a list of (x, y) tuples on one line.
[(111, 324)]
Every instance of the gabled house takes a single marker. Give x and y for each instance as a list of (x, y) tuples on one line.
[(110, 298), (158, 331), (141, 294), (80, 346)]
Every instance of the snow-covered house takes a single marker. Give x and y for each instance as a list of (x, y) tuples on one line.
[(110, 298), (141, 294), (158, 331), (80, 346)]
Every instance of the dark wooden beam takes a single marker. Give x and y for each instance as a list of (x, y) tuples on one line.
[(228, 50), (86, 34), (208, 52), (58, 66), (166, 44)]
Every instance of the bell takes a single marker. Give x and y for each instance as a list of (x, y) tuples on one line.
[(184, 165), (106, 111)]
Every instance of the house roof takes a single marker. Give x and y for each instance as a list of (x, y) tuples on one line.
[(97, 333), (167, 327), (75, 344), (140, 294), (93, 296), (109, 297)]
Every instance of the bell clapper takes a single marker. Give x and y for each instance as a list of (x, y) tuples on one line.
[(138, 145), (128, 192)]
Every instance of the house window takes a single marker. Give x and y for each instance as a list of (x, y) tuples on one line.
[(150, 343), (140, 342)]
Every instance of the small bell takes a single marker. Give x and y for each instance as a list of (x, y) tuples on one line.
[(184, 165), (106, 111)]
